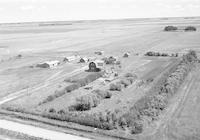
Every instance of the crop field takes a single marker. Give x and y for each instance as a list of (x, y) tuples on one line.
[(152, 93)]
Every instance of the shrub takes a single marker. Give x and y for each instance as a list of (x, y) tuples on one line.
[(164, 54), (190, 28), (129, 75), (116, 87), (118, 62), (125, 82), (131, 79), (61, 111), (52, 110), (170, 28), (48, 99), (86, 102), (102, 94), (137, 127), (72, 87)]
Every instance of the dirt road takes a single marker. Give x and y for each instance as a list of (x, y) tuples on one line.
[(182, 120), (37, 132)]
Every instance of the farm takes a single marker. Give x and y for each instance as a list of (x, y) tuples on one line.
[(107, 79)]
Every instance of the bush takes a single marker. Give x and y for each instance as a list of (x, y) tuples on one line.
[(61, 111), (125, 82), (164, 54), (116, 87), (131, 79), (102, 94), (86, 102), (72, 87), (52, 110), (170, 28), (129, 75), (137, 127), (190, 28)]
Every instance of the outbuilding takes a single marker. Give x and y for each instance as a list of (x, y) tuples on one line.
[(99, 52), (70, 58), (83, 60), (126, 54)]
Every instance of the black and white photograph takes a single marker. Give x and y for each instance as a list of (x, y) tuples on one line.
[(99, 69)]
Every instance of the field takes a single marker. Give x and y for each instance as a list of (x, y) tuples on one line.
[(154, 97)]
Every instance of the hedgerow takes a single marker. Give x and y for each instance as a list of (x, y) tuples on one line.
[(106, 121), (152, 104)]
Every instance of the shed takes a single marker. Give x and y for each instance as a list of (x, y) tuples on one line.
[(70, 58), (126, 54), (83, 60)]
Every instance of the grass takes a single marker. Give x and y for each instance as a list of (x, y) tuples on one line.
[(75, 85)]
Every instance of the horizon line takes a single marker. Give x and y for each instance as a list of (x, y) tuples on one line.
[(81, 20)]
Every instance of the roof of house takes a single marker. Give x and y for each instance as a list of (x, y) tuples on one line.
[(98, 61)]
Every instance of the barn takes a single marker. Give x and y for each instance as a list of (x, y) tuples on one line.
[(96, 66), (48, 64)]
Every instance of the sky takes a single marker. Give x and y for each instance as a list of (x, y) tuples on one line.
[(62, 10)]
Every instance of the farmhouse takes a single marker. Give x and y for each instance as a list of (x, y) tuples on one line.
[(48, 64), (99, 52), (70, 58)]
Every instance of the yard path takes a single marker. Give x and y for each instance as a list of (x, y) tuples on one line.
[(37, 132)]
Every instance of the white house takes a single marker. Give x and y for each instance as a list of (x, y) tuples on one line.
[(71, 58), (48, 64)]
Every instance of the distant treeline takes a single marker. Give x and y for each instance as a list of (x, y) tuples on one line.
[(151, 53), (174, 28)]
